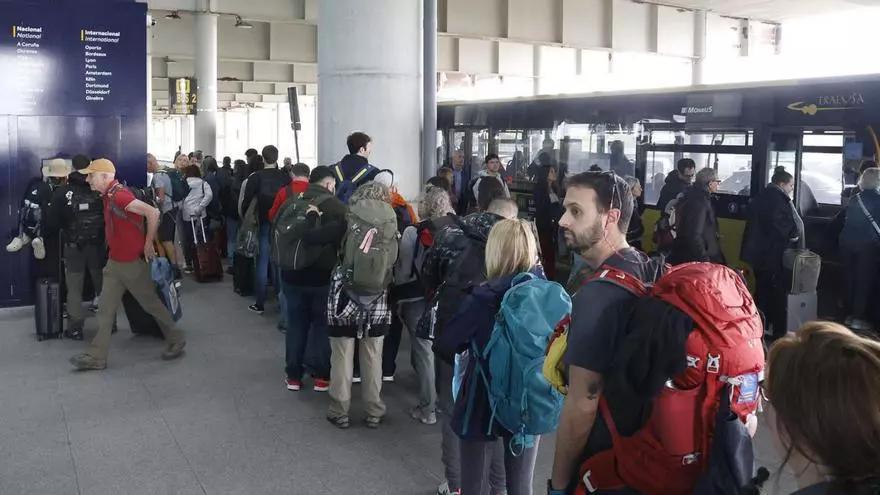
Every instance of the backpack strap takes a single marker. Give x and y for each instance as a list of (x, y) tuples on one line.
[(620, 278), (339, 174), (868, 214), (119, 212)]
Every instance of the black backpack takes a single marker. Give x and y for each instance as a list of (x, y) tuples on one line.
[(467, 270), (86, 225)]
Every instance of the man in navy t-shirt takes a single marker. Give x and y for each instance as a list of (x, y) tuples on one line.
[(598, 206)]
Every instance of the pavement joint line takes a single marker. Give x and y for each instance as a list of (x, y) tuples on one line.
[(174, 438)]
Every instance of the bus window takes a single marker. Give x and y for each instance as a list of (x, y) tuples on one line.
[(511, 147), (734, 172), (823, 171)]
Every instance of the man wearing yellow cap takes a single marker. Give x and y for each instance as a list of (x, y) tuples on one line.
[(131, 247)]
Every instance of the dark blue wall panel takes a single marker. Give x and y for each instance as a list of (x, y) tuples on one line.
[(74, 81)]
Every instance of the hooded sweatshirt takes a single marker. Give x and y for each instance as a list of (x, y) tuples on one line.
[(673, 186), (196, 202)]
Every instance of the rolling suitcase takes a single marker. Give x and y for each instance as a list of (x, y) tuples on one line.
[(140, 322), (800, 308), (242, 275), (206, 257), (47, 309)]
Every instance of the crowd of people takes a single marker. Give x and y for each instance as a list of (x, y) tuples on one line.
[(352, 264)]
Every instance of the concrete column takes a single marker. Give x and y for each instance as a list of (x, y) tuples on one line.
[(206, 77), (370, 80), (429, 92), (699, 47)]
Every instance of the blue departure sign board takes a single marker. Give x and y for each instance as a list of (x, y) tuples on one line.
[(69, 59), (74, 81)]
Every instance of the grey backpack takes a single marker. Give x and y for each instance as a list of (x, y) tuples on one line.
[(370, 248), (247, 243)]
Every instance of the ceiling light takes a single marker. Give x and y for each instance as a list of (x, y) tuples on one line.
[(172, 15), (239, 23)]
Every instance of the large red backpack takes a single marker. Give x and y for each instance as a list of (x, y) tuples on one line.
[(669, 454)]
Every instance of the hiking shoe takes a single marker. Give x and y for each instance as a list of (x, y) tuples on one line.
[(372, 422), (39, 248), (341, 422), (388, 378), (86, 362), (417, 414), (294, 385), (257, 308), (173, 351), (75, 333), (321, 385)]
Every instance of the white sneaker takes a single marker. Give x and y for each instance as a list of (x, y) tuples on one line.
[(39, 248), (861, 325), (443, 489), (15, 245)]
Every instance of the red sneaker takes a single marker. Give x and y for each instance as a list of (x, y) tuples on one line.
[(294, 385), (322, 385)]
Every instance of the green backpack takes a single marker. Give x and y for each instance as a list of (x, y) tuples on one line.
[(370, 248), (288, 249), (247, 243)]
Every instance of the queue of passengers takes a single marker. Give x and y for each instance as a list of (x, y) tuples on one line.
[(367, 265)]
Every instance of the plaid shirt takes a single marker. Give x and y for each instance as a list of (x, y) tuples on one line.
[(360, 316)]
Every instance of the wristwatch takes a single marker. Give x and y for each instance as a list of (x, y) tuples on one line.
[(551, 491)]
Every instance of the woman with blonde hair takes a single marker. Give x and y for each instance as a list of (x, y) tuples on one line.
[(823, 385), (510, 250)]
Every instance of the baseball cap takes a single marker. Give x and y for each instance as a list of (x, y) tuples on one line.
[(99, 165)]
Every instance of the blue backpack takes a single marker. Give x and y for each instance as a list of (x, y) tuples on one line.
[(522, 400), (345, 186)]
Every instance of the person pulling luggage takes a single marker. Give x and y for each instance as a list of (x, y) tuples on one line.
[(130, 244)]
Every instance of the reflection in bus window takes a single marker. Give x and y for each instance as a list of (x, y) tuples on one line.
[(823, 173), (734, 172)]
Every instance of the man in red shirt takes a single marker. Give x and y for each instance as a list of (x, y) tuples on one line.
[(130, 245), (299, 184)]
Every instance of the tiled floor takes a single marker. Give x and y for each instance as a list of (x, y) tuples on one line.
[(219, 421)]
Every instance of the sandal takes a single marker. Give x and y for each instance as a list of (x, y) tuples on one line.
[(372, 421), (341, 422)]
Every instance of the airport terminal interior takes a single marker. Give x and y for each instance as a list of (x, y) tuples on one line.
[(277, 247)]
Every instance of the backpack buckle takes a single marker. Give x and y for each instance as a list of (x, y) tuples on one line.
[(587, 483), (690, 459), (714, 364)]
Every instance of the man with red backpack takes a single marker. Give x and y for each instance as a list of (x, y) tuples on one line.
[(649, 359), (598, 207)]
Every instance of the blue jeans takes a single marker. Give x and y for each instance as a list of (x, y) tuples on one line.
[(231, 234), (261, 276), (307, 342)]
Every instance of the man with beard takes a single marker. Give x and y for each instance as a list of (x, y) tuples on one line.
[(598, 207)]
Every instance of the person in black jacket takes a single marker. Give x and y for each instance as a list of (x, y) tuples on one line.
[(677, 181), (697, 226), (548, 211), (772, 227), (306, 290), (78, 212), (636, 228), (262, 186)]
